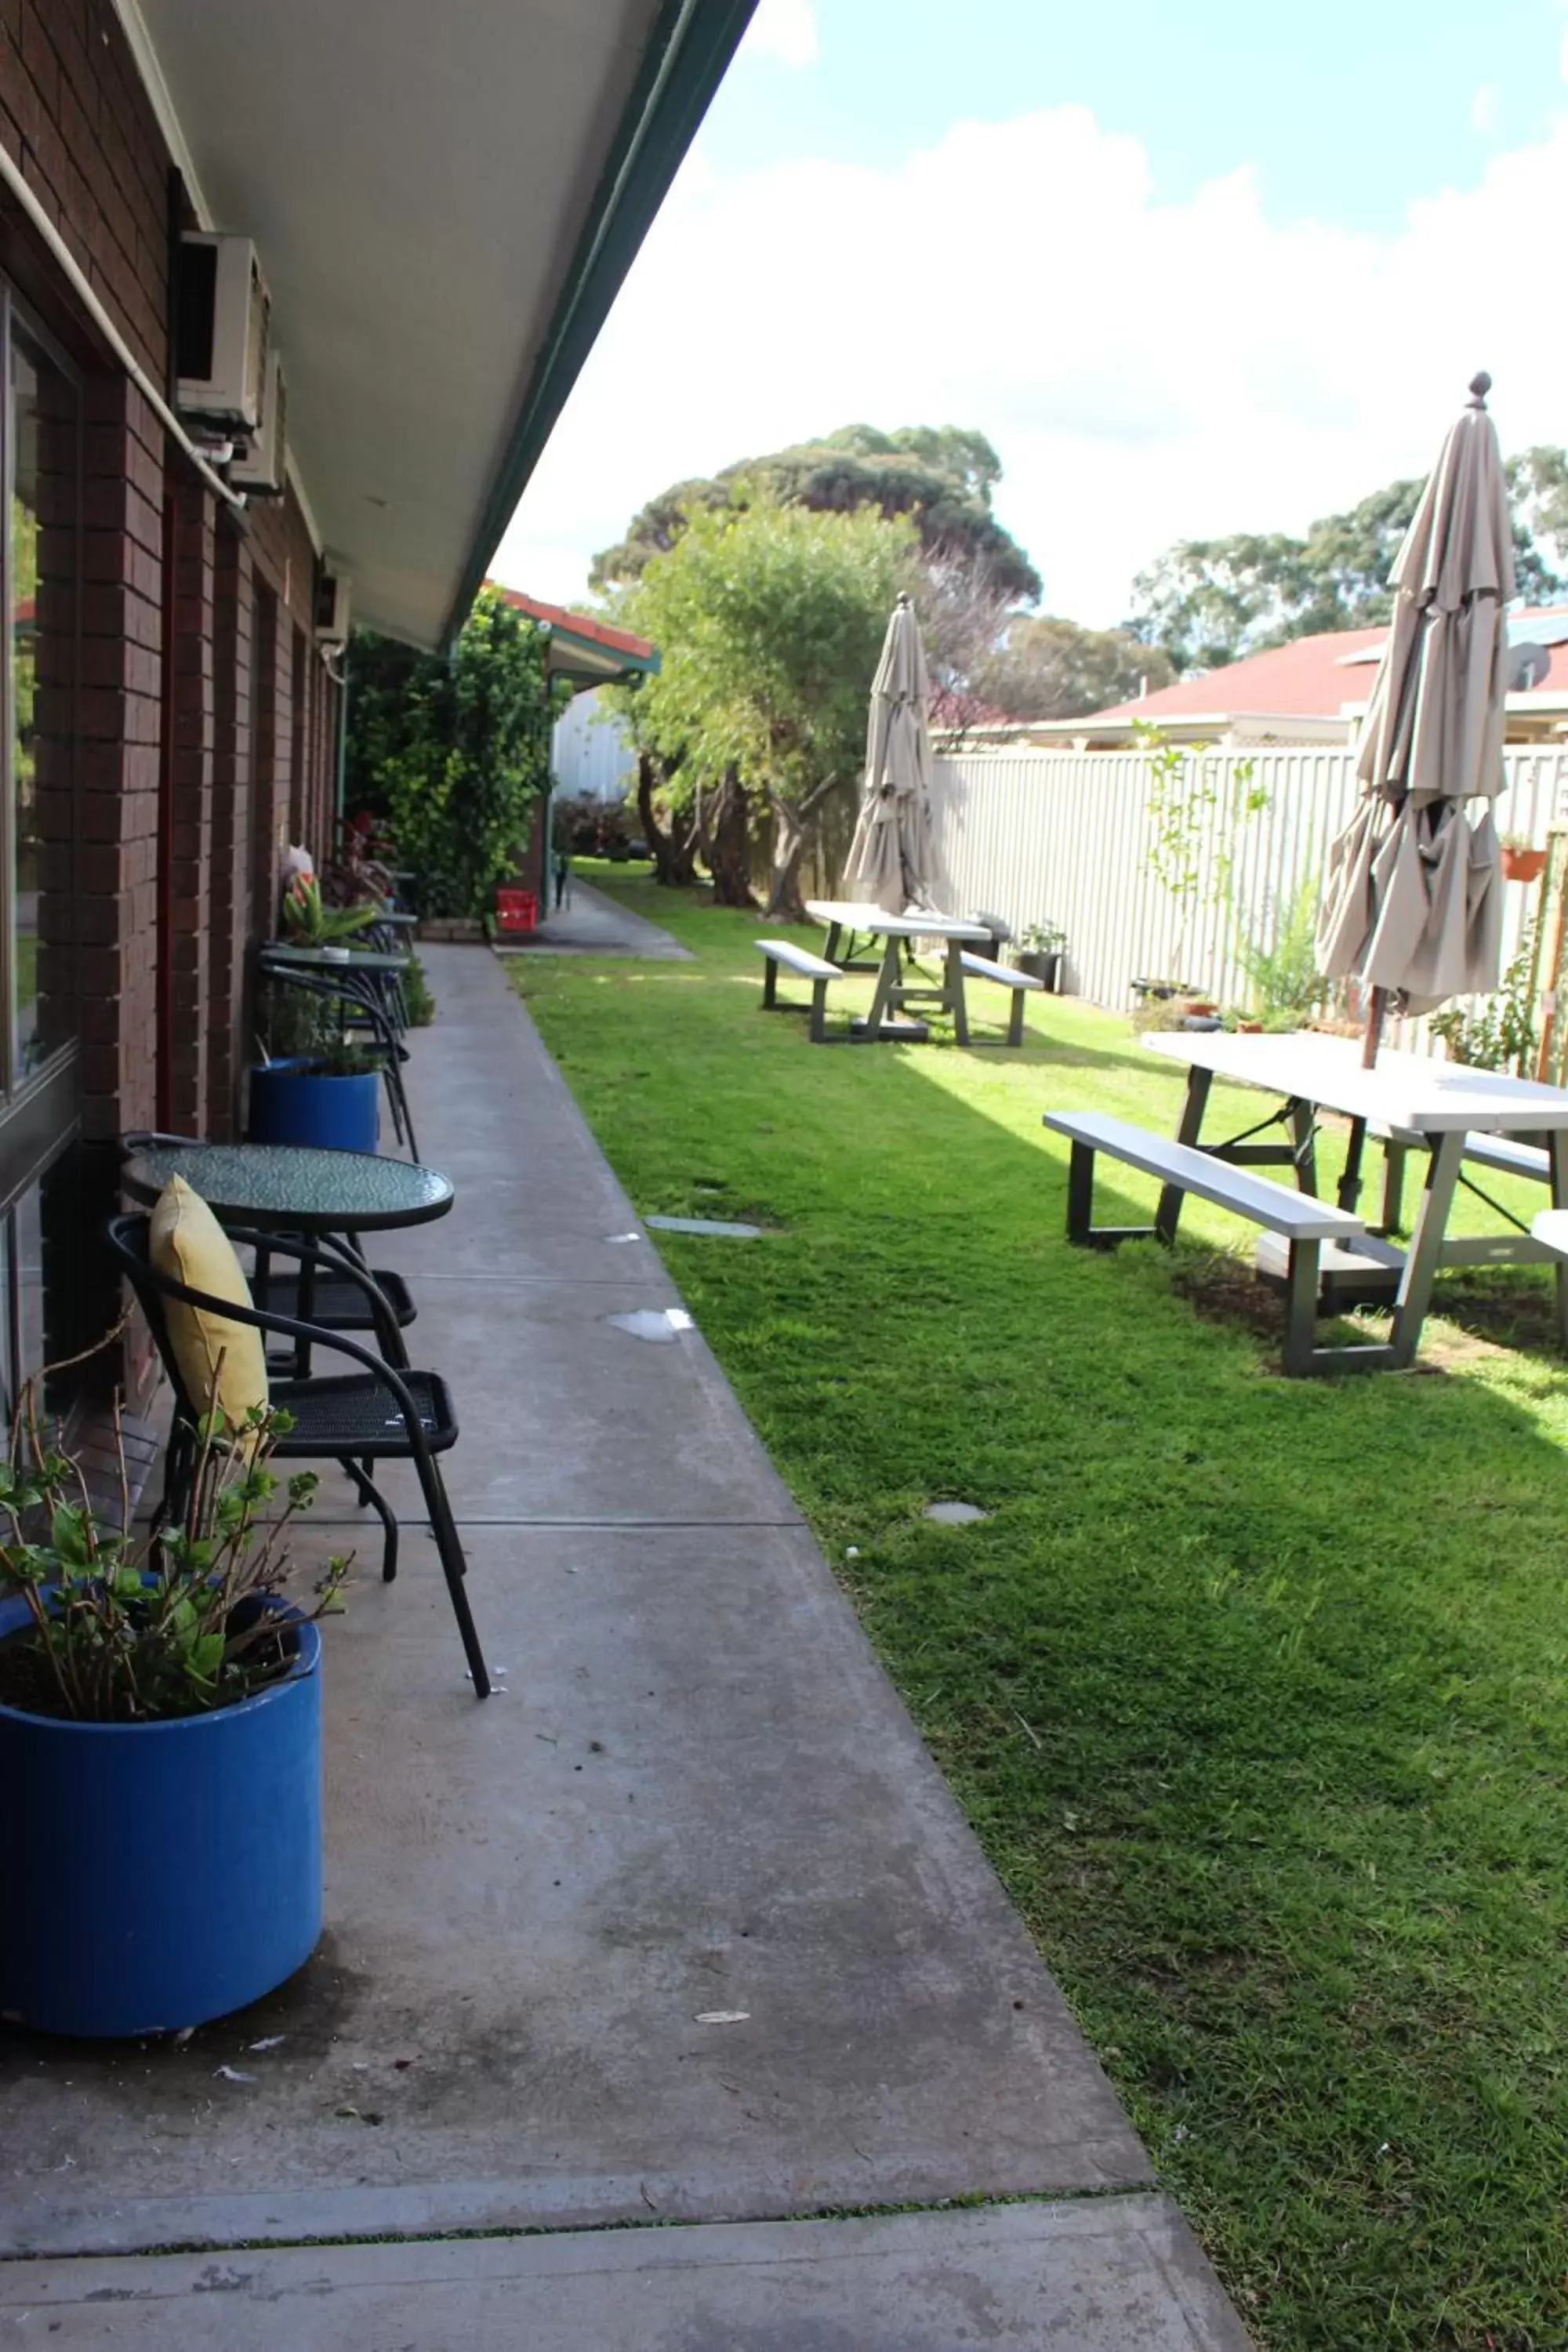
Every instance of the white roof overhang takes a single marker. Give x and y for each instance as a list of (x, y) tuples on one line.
[(444, 201)]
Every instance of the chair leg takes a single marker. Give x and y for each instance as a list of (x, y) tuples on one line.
[(454, 1566), (369, 1492)]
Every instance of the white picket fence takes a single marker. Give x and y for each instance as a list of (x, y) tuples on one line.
[(1069, 837)]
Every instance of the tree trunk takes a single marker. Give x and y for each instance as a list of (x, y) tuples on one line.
[(792, 831), (789, 843), (726, 844), (675, 850)]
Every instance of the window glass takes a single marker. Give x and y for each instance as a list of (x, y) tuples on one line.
[(40, 594)]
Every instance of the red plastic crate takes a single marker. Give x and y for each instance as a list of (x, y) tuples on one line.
[(516, 910)]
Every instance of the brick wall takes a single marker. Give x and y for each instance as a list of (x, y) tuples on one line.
[(239, 762)]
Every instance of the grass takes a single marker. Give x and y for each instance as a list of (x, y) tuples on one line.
[(1253, 1689)]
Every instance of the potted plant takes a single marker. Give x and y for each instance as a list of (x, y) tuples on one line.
[(1521, 862), (313, 1086), (1040, 951), (311, 923), (159, 1742)]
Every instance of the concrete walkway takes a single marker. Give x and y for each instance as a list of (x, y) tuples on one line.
[(591, 924), (683, 1928)]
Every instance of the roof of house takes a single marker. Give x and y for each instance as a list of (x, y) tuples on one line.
[(581, 646), (444, 203), (1310, 678)]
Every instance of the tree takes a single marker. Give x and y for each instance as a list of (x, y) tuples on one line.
[(1050, 668), (452, 754), (770, 621), (1208, 602), (942, 477)]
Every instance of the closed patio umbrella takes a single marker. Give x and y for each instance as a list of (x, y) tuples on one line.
[(892, 860), (1413, 903)]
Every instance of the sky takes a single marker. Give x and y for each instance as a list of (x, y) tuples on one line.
[(1192, 268)]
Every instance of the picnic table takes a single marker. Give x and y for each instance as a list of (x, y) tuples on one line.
[(848, 919), (1413, 1100)]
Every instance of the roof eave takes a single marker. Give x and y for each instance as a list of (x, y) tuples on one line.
[(691, 46)]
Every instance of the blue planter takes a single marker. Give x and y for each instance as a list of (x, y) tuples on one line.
[(292, 1102), (158, 1875)]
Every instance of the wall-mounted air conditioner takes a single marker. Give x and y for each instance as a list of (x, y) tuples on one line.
[(259, 464), (333, 608), (222, 324)]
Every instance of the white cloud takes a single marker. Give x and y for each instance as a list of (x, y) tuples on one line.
[(784, 31), (1484, 108), (1147, 370)]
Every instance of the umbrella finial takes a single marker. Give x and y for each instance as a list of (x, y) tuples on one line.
[(1479, 387)]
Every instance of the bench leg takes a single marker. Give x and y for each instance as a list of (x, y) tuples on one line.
[(1557, 1169), (818, 1030), (770, 985), (953, 983), (1302, 1308), (1015, 1018), (1081, 1195)]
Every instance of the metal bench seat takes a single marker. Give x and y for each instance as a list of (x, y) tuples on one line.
[(1005, 975), (784, 954), (1304, 1223)]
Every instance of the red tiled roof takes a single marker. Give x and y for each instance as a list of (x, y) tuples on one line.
[(945, 708), (582, 625), (1307, 679)]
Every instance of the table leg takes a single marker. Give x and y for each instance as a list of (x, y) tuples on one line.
[(1425, 1252), (1557, 1162), (1190, 1129), (1303, 1136), (887, 982), (1393, 1187), (954, 986), (1349, 1192)]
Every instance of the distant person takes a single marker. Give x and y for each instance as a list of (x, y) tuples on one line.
[(563, 876)]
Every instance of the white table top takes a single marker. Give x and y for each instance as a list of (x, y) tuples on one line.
[(851, 915), (1404, 1090)]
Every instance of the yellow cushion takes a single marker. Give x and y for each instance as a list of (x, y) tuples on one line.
[(219, 1360)]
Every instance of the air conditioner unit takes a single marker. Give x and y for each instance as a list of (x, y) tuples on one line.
[(258, 467), (221, 329), (333, 608)]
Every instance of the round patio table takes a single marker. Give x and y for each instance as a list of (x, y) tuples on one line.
[(294, 1189), (317, 960)]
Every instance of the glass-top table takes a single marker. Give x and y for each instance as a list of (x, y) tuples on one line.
[(294, 1189), (319, 960)]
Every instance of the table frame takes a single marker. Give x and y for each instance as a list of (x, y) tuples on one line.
[(1429, 1247), (846, 919)]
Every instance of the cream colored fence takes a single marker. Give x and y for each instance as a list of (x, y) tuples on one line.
[(1072, 838)]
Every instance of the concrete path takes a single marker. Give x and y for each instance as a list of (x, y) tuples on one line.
[(682, 1928), (594, 925)]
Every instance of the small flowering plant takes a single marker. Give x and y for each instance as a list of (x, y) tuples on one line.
[(129, 1625)]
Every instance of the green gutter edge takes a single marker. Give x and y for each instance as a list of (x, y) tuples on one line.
[(686, 56)]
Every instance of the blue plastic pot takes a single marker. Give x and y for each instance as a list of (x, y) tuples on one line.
[(293, 1102), (158, 1875)]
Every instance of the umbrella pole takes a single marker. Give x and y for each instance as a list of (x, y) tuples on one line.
[(1370, 1042)]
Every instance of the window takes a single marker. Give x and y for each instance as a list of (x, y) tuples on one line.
[(41, 474)]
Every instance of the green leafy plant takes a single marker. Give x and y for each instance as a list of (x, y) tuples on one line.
[(1518, 842), (311, 922), (416, 996), (131, 1627), (1043, 939), (1284, 973), (301, 1025), (1187, 784), (1497, 1032)]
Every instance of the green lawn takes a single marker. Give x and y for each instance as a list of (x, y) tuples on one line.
[(1253, 1689)]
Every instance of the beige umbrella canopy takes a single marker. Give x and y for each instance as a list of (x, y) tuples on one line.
[(1414, 898), (892, 860)]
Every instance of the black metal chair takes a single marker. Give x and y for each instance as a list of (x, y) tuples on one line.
[(385, 1411), (366, 1011)]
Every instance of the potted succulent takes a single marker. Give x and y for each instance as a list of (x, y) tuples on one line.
[(1040, 951), (160, 1743), (1520, 861), (313, 1086), (311, 923)]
